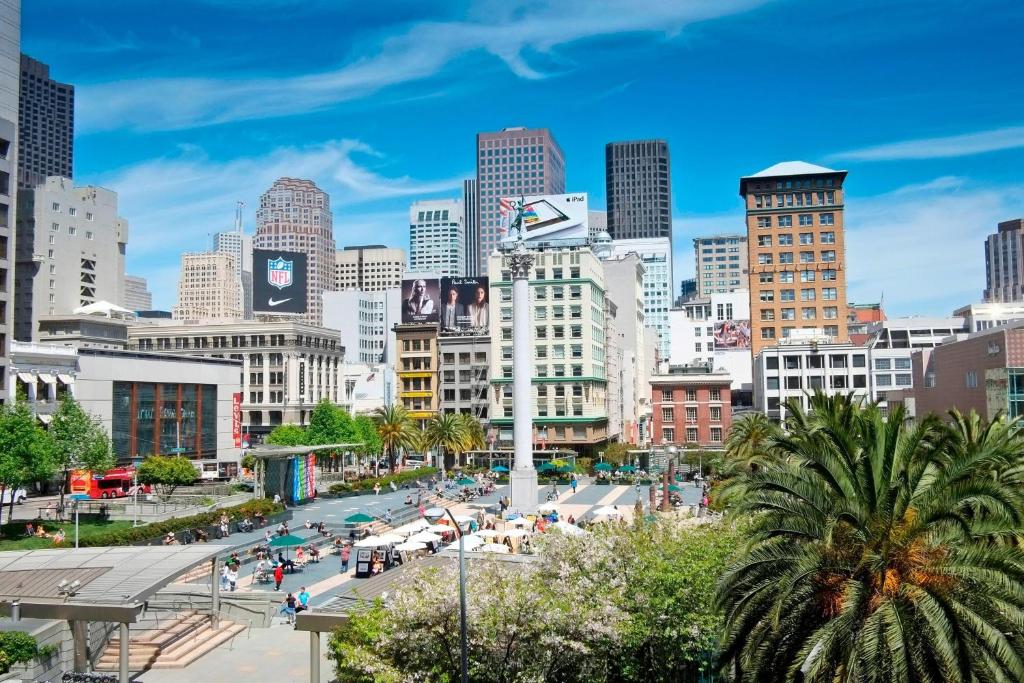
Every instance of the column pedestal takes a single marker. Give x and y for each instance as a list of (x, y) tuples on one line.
[(524, 491)]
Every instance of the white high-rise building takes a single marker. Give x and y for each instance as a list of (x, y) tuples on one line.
[(137, 296), (239, 245), (369, 268), (656, 255), (70, 251), (208, 290), (295, 215), (437, 237)]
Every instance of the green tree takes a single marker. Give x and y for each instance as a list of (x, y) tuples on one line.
[(749, 443), (288, 435), (447, 433), (367, 436), (167, 473), (879, 551), (26, 450), (616, 453), (475, 437), (396, 430), (19, 648), (329, 424), (79, 442)]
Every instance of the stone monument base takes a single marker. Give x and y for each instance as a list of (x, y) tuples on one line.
[(524, 491)]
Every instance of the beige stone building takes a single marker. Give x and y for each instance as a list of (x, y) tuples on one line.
[(796, 252), (417, 365), (372, 268), (209, 289)]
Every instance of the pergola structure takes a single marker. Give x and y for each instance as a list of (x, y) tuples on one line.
[(104, 584), (265, 452)]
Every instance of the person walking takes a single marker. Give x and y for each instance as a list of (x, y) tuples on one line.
[(278, 577), (573, 483), (288, 607), (346, 552), (232, 578), (224, 577)]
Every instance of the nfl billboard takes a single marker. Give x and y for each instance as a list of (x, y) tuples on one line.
[(420, 300), (464, 304), (548, 218), (278, 281)]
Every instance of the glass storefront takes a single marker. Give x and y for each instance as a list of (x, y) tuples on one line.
[(163, 419)]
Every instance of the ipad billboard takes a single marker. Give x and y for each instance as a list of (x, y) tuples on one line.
[(548, 218)]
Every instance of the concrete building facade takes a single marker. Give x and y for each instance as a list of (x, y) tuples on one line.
[(371, 268), (471, 223), (239, 245), (416, 366), (626, 329), (796, 251), (692, 406), (287, 367), (1004, 263), (694, 341), (366, 322), (891, 346), (465, 375), (804, 363), (137, 296), (46, 125), (656, 256), (10, 70), (71, 251), (208, 289), (295, 215), (985, 316), (569, 379), (437, 234), (721, 264), (638, 188), (509, 163)]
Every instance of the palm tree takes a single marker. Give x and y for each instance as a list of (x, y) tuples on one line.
[(878, 552), (748, 445), (447, 433), (396, 430), (476, 438)]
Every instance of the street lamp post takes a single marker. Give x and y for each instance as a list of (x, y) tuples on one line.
[(432, 515)]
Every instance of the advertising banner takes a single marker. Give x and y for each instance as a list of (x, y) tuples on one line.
[(303, 477), (548, 218), (420, 300), (278, 281), (236, 419), (732, 334), (464, 304)]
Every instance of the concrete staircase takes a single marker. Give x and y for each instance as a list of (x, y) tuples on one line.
[(176, 643)]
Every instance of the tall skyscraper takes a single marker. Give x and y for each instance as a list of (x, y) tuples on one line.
[(638, 189), (472, 226), (510, 163), (796, 250), (239, 245), (10, 52), (295, 215), (208, 289), (137, 296), (1004, 263), (369, 268), (656, 256), (437, 234), (70, 252), (46, 125), (721, 263)]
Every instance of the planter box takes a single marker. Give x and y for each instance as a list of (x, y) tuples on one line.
[(646, 482), (602, 482)]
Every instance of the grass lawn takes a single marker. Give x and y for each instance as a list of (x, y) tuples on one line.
[(85, 530)]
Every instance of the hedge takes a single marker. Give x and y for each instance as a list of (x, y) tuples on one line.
[(367, 484), (155, 530)]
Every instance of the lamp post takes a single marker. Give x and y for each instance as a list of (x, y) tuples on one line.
[(433, 515)]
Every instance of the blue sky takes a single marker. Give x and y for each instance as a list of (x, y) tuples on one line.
[(186, 107)]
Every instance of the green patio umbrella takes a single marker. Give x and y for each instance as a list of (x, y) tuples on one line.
[(465, 481), (499, 468), (627, 468), (359, 518), (567, 468), (546, 466), (673, 487), (287, 541), (603, 467)]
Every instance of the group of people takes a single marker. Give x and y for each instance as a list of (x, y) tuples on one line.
[(32, 531), (293, 604)]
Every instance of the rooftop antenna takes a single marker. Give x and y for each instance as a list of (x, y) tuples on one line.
[(238, 216)]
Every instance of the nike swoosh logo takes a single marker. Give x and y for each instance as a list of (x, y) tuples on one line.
[(271, 302)]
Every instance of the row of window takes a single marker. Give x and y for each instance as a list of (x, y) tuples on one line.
[(668, 435), (796, 382), (806, 238), (806, 294), (790, 199), (769, 332), (803, 220), (714, 394), (668, 414), (787, 276), (786, 257), (806, 313)]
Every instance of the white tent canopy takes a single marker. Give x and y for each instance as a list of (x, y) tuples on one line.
[(104, 308)]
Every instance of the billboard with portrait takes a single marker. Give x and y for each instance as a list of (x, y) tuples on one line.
[(278, 281), (464, 304), (548, 218), (732, 334), (421, 298)]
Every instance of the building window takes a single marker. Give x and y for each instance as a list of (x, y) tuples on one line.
[(691, 435), (691, 394), (765, 278), (786, 257), (667, 415), (716, 434), (971, 379), (902, 363), (666, 394), (785, 221), (767, 333), (806, 219), (828, 256), (883, 380), (764, 240), (787, 295), (903, 379), (786, 277), (767, 314), (806, 276), (828, 238), (764, 221), (807, 294), (765, 259), (716, 394), (691, 415), (830, 313), (808, 313), (767, 295), (807, 238), (716, 414), (788, 314), (668, 434), (785, 240), (826, 219)]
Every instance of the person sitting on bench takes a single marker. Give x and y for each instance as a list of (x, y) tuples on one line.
[(285, 564)]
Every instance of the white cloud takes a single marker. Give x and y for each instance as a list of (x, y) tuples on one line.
[(509, 31), (940, 147), (176, 204)]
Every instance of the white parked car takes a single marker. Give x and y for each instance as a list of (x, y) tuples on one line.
[(19, 496)]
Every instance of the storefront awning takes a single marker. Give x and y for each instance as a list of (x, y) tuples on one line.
[(26, 378), (66, 379), (47, 377)]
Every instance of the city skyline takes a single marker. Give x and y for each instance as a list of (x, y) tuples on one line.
[(930, 158)]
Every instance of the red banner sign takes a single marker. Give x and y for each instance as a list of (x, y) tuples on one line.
[(236, 419)]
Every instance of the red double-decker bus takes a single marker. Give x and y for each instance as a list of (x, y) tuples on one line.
[(115, 483)]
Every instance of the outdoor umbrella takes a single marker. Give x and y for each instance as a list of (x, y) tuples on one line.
[(440, 529), (409, 546), (386, 539), (425, 537), (607, 510), (466, 481), (411, 527), (517, 533), (464, 519), (566, 468), (673, 487), (485, 533), (286, 541), (499, 468), (471, 542), (603, 467), (545, 466), (547, 507), (359, 518), (494, 548), (569, 529), (627, 468)]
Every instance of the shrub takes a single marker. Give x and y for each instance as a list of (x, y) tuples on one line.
[(367, 484), (18, 648)]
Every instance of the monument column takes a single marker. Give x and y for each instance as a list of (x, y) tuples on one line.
[(523, 476)]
